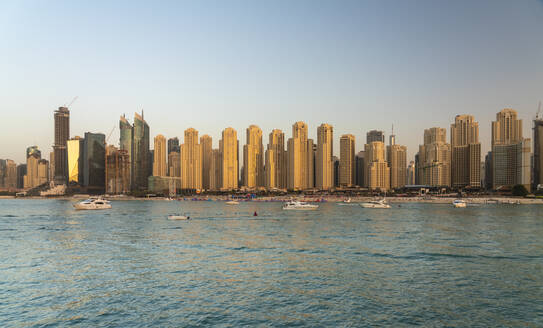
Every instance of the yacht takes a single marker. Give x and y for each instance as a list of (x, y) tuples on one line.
[(93, 204), (375, 204), (459, 203), (178, 217), (297, 205)]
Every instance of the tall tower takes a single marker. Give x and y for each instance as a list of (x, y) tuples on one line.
[(253, 153), (276, 161), (466, 152), (377, 172), (300, 158), (62, 134), (324, 165), (375, 135), (434, 164), (159, 157), (347, 167), (538, 152), (510, 152), (191, 161), (228, 147), (397, 162), (206, 143), (126, 135), (140, 153)]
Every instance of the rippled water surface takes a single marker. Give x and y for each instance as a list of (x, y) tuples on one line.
[(418, 264)]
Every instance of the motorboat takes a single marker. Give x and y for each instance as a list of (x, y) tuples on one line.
[(347, 201), (381, 203), (232, 202), (178, 217), (93, 204), (459, 203), (297, 205)]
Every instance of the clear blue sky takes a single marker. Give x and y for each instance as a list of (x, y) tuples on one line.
[(357, 65)]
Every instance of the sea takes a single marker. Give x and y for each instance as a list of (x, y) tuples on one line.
[(341, 265)]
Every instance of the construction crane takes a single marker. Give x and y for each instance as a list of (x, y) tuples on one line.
[(109, 135), (71, 102)]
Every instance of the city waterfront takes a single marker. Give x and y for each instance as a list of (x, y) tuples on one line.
[(342, 265)]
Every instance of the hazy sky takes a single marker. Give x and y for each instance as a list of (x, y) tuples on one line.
[(358, 65)]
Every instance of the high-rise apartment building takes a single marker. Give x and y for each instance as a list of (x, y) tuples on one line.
[(43, 172), (253, 156), (33, 156), (360, 168), (375, 135), (62, 134), (75, 160), (538, 153), (206, 143), (126, 137), (324, 166), (174, 161), (510, 152), (347, 163), (191, 161), (215, 169), (229, 152), (21, 176), (140, 157), (434, 159), (397, 161), (94, 161), (465, 152), (173, 145), (117, 171), (377, 171), (276, 161), (10, 177), (300, 159), (160, 168), (411, 169)]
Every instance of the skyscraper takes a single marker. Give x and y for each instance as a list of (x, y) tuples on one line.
[(43, 172), (173, 145), (215, 170), (117, 171), (377, 171), (21, 175), (191, 161), (397, 161), (62, 134), (206, 143), (300, 159), (434, 157), (375, 135), (75, 160), (33, 156), (94, 161), (411, 169), (174, 160), (276, 161), (126, 137), (253, 155), (510, 152), (347, 164), (228, 147), (466, 152), (324, 165), (538, 153), (360, 169), (140, 153), (10, 175), (159, 157)]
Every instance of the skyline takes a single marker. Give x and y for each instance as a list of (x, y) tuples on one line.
[(356, 66)]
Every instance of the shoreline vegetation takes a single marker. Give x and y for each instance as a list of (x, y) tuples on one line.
[(309, 198)]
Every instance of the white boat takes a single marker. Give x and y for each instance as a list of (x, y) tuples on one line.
[(297, 205), (93, 204), (375, 204), (459, 203), (178, 217), (232, 202), (347, 201)]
